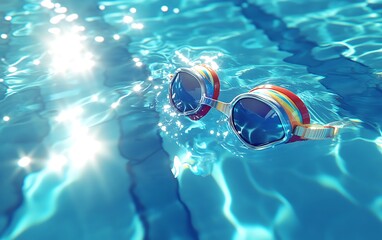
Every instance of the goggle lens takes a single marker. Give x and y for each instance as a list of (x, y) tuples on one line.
[(185, 92), (256, 122)]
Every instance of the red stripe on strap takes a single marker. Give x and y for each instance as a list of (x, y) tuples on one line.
[(296, 100)]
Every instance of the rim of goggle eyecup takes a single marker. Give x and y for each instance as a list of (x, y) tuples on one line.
[(275, 106), (203, 90), (202, 109), (298, 103)]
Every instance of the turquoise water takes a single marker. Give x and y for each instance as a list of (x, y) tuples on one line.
[(91, 149)]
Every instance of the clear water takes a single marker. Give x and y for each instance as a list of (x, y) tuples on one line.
[(90, 147)]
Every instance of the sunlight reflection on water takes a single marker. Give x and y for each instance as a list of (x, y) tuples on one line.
[(261, 195)]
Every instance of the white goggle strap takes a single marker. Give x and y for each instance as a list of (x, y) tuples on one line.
[(315, 132)]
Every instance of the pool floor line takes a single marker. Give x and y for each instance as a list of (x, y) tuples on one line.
[(152, 171)]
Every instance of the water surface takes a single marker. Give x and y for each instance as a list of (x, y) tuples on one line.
[(91, 149)]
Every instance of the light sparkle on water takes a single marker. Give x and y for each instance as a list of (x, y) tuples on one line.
[(138, 26), (71, 17), (36, 62), (84, 147), (176, 10), (164, 8), (114, 105), (128, 19), (70, 54), (12, 69), (54, 30), (57, 162), (70, 114), (137, 88), (57, 19), (24, 162), (47, 4), (99, 39), (378, 142), (61, 10)]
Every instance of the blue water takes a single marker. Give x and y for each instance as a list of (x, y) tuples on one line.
[(91, 149)]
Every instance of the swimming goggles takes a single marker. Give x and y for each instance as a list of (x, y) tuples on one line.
[(266, 116)]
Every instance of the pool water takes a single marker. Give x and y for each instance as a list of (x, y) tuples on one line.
[(91, 148)]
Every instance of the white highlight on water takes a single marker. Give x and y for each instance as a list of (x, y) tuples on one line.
[(128, 19), (164, 8), (99, 39), (116, 37), (24, 162)]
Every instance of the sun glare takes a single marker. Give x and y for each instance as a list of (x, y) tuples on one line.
[(57, 163), (84, 147), (69, 54), (70, 114)]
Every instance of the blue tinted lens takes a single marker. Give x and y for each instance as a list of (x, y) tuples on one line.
[(256, 122), (185, 92)]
